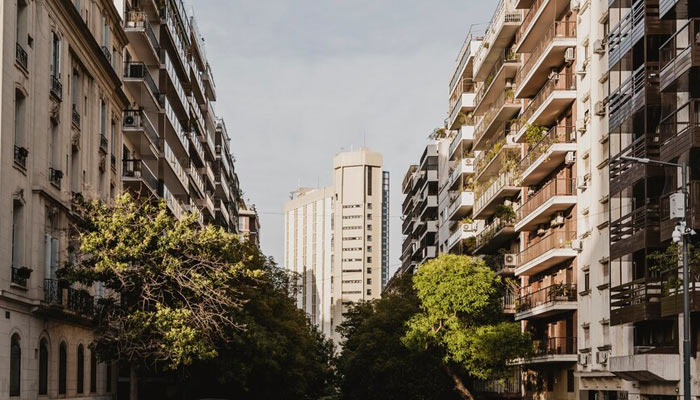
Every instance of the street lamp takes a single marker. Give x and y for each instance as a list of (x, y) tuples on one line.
[(680, 233)]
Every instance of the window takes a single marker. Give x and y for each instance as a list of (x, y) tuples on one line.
[(550, 381), (587, 281), (369, 281), (103, 118), (80, 370), (108, 378), (55, 55), (62, 361), (43, 367), (53, 146), (369, 227), (369, 238), (369, 259), (369, 181), (369, 248), (570, 381), (369, 216), (20, 119), (22, 12), (369, 206), (586, 337), (369, 270), (15, 365), (369, 292), (93, 371), (16, 234)]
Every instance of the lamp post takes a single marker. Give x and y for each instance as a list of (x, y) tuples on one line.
[(681, 233)]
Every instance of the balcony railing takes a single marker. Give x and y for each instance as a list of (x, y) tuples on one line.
[(139, 70), (56, 87), (555, 240), (508, 57), (555, 187), (558, 30), (503, 180), (550, 294), (558, 82), (138, 119), (639, 220), (628, 97), (527, 21), (555, 346), (135, 168), (467, 86), (506, 98), (21, 154), (491, 230), (55, 177), (75, 117), (464, 56), (505, 13), (18, 277), (21, 56), (76, 300), (627, 32), (635, 300), (139, 19), (104, 144), (556, 134), (108, 54)]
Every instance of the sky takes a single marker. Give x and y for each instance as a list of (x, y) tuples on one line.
[(298, 81)]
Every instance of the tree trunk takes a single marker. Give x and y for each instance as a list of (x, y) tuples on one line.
[(459, 386), (133, 383)]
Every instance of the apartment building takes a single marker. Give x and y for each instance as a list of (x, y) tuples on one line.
[(309, 252), (100, 97), (335, 239), (249, 223), (419, 211)]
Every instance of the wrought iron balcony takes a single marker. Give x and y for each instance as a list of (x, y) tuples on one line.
[(75, 117), (558, 297), (56, 87), (137, 175), (18, 277), (21, 56), (21, 154), (103, 143), (55, 177)]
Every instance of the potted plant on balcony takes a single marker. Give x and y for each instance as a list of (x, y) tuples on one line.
[(505, 213), (24, 272), (559, 292), (534, 134)]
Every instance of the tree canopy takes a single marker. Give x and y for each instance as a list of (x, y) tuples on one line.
[(461, 316)]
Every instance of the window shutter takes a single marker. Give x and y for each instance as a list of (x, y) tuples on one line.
[(47, 256), (54, 257)]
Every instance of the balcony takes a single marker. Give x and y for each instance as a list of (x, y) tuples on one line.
[(551, 101), (56, 87), (493, 236), (495, 118), (174, 175), (464, 61), (668, 224), (536, 23), (173, 204), (461, 102), (624, 173), (502, 187), (138, 178), (632, 27), (222, 215), (75, 117), (21, 57), (407, 225), (20, 156), (553, 249), (460, 205), (170, 21), (558, 194), (678, 55), (196, 180), (502, 388), (489, 163), (553, 349), (678, 9), (172, 87), (143, 40), (104, 144), (635, 231), (505, 22), (462, 168), (680, 131), (141, 84), (55, 177), (461, 141), (463, 232), (139, 129), (638, 300), (498, 80), (547, 154), (548, 53), (209, 85), (67, 299), (652, 368), (174, 132), (638, 90), (545, 302), (19, 276)]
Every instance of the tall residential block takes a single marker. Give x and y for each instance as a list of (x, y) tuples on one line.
[(344, 262), (99, 97)]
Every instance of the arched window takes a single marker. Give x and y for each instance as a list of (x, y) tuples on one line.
[(62, 361), (81, 368), (43, 367), (15, 365), (93, 371)]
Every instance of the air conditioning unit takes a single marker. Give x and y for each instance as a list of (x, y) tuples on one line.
[(581, 125), (129, 120), (602, 357), (600, 108), (599, 47), (583, 358), (509, 260), (570, 55), (570, 158), (557, 219), (541, 230), (469, 227), (553, 74), (577, 244)]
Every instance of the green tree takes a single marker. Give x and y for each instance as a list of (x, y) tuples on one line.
[(171, 288), (375, 364), (462, 318)]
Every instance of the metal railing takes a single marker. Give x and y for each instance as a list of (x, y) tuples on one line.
[(18, 278), (559, 29), (640, 219), (507, 97), (55, 177), (680, 43), (139, 70), (21, 154), (56, 87), (683, 118), (554, 187), (75, 116), (507, 57), (527, 20), (103, 142), (555, 240), (108, 54), (136, 168), (550, 294), (139, 19), (138, 119), (505, 13), (553, 346), (555, 134), (503, 180), (555, 83), (491, 230), (21, 56)]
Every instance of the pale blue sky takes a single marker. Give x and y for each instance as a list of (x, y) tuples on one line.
[(299, 80)]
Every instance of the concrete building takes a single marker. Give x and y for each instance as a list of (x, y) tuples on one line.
[(309, 252), (336, 241), (100, 97), (249, 223)]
